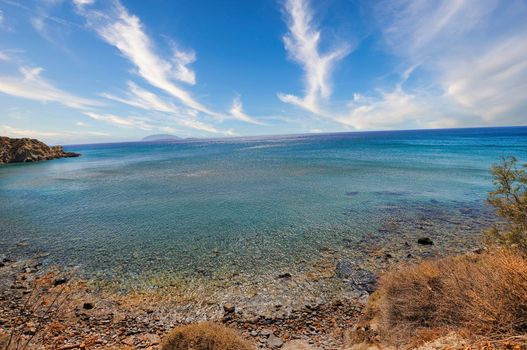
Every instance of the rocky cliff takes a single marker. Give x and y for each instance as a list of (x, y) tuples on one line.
[(29, 150)]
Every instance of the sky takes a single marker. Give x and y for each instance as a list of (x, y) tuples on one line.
[(83, 71)]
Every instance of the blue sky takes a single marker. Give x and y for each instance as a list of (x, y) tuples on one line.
[(74, 71)]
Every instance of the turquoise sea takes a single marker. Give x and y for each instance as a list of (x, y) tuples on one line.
[(243, 208)]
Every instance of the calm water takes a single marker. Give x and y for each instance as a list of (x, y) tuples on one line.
[(244, 205)]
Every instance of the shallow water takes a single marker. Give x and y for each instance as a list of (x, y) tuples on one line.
[(254, 206)]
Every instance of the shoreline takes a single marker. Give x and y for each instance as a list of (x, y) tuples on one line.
[(282, 304), (57, 310)]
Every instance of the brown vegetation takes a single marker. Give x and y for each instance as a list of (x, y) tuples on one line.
[(481, 295), (204, 336)]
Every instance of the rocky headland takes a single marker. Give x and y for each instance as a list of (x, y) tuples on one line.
[(29, 150)]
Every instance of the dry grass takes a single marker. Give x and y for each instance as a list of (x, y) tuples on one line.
[(204, 336), (479, 295)]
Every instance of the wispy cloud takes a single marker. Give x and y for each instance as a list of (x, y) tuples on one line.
[(31, 85), (65, 135), (144, 99), (492, 84), (3, 56), (14, 132), (181, 60), (474, 53), (80, 3), (302, 44), (238, 113), (390, 110), (125, 31), (128, 122)]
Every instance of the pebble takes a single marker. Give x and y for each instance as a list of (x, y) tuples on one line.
[(274, 342), (265, 333), (229, 307), (59, 281)]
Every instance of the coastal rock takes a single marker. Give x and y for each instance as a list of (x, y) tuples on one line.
[(29, 150)]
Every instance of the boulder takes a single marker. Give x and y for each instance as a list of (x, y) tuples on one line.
[(29, 150)]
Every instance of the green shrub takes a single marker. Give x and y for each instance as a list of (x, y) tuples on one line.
[(510, 200)]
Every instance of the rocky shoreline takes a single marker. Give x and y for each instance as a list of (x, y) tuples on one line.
[(83, 313), (51, 309), (26, 150)]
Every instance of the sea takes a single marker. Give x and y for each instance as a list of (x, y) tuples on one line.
[(250, 211)]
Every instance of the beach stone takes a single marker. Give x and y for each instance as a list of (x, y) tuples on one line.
[(359, 279), (344, 269), (229, 308), (265, 332), (59, 281), (284, 275), (425, 241), (274, 342)]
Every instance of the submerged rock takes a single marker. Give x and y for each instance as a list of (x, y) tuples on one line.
[(359, 279), (29, 150), (425, 241)]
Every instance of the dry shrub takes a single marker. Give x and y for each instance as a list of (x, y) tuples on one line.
[(204, 336), (481, 295)]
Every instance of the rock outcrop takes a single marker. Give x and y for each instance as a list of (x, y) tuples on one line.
[(29, 150)]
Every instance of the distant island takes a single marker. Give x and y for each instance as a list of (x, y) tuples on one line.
[(160, 138), (29, 150)]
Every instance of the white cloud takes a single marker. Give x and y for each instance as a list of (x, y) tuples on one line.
[(39, 24), (144, 99), (493, 84), (199, 125), (80, 3), (65, 135), (474, 53), (125, 31), (302, 44), (3, 56), (32, 85), (129, 122), (14, 132), (181, 59), (238, 113), (391, 110)]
